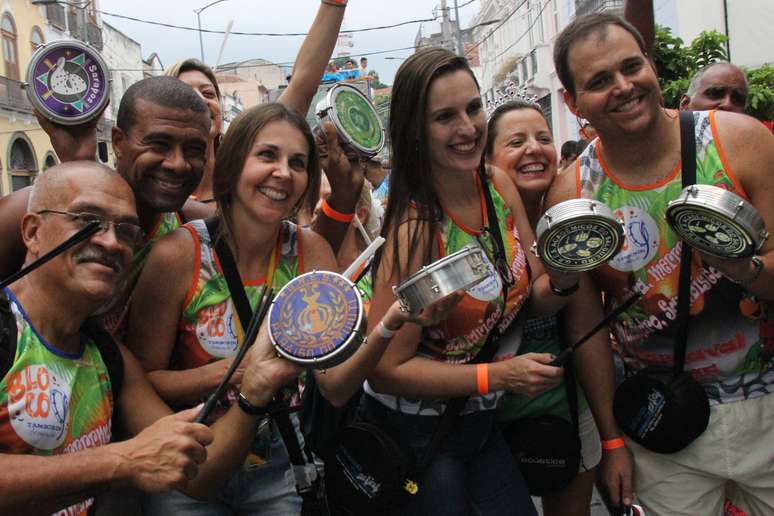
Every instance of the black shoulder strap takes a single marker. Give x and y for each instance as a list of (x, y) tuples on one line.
[(7, 334), (688, 166), (245, 313), (181, 216)]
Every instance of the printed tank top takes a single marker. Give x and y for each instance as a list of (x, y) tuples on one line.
[(52, 402), (730, 338), (459, 338)]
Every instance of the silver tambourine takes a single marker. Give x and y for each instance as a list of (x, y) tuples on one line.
[(317, 320), (717, 222), (68, 82), (354, 117), (578, 235), (460, 270)]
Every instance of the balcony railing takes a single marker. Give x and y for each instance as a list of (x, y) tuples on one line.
[(13, 96), (592, 6), (55, 14)]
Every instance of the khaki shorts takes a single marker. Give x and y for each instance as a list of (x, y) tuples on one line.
[(591, 446), (733, 459)]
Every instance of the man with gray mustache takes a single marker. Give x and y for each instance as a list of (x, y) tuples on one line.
[(58, 394)]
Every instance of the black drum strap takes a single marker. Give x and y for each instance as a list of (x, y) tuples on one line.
[(688, 165), (281, 414)]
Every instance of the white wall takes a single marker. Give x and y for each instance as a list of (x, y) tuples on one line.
[(124, 58)]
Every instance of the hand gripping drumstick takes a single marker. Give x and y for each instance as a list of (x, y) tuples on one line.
[(564, 356), (82, 234), (252, 332)]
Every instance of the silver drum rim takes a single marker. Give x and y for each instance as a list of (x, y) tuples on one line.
[(740, 231), (579, 220)]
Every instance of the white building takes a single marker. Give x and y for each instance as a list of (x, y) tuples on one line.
[(123, 56)]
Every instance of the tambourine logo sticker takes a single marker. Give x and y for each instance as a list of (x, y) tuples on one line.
[(362, 482), (641, 239), (69, 82), (580, 244), (709, 232), (358, 119), (489, 288), (316, 315), (38, 405)]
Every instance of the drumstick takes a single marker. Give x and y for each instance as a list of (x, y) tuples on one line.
[(564, 356), (363, 232), (364, 257), (252, 332), (82, 234)]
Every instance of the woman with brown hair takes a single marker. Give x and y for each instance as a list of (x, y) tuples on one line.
[(437, 205)]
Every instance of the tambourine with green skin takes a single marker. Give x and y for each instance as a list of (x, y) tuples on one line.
[(717, 222), (68, 82), (578, 235), (355, 119)]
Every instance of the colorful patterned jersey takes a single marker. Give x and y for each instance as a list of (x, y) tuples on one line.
[(730, 339), (114, 318), (459, 338), (52, 402)]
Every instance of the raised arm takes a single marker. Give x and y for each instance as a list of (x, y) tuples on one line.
[(640, 14), (313, 56)]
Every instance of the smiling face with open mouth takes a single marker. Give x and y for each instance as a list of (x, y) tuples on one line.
[(617, 88), (524, 148), (456, 130), (274, 176)]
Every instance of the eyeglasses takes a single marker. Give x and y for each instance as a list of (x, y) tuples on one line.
[(127, 233)]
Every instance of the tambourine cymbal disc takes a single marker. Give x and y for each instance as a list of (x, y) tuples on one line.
[(317, 320), (716, 221), (68, 82), (578, 235), (355, 119)]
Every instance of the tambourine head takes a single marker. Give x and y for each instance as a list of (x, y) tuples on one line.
[(355, 118), (716, 221), (710, 232), (578, 235), (316, 319), (68, 82)]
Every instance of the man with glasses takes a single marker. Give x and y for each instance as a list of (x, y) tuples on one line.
[(59, 392)]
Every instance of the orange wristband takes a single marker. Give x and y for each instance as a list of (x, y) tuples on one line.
[(482, 379), (613, 444), (346, 218)]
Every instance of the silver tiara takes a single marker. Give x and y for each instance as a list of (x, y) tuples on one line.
[(508, 93)]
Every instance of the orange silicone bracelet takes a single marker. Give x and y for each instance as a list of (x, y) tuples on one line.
[(336, 215), (613, 444), (482, 378)]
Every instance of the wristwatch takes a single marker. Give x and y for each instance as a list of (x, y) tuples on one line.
[(250, 409)]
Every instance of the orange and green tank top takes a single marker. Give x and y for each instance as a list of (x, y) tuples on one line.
[(730, 338), (52, 402), (208, 328), (459, 338)]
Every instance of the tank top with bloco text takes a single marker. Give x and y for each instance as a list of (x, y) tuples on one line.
[(730, 338), (52, 402), (461, 336), (208, 328)]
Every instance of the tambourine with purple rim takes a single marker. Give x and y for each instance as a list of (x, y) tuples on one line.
[(68, 82), (317, 320)]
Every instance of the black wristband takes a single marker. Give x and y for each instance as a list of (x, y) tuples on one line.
[(250, 409), (563, 292)]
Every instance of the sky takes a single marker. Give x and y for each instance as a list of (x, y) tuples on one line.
[(279, 16)]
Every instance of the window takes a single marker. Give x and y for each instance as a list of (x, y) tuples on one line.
[(533, 61), (10, 56), (36, 38), (21, 163), (55, 14), (50, 161), (524, 71)]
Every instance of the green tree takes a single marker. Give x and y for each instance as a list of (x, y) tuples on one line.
[(760, 100), (375, 82)]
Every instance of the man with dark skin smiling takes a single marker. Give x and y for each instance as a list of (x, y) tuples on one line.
[(160, 146), (634, 167), (57, 396)]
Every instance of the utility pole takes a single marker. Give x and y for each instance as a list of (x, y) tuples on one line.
[(460, 48), (446, 29)]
